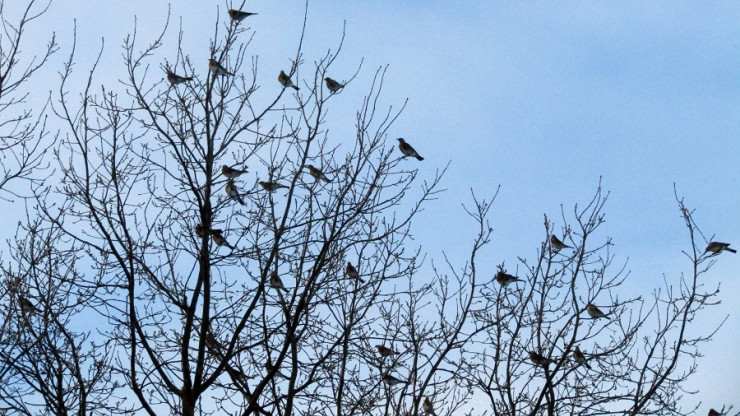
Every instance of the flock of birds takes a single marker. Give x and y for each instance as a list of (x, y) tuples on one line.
[(231, 173), (503, 278), (407, 150)]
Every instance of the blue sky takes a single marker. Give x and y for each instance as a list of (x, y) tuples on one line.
[(542, 98)]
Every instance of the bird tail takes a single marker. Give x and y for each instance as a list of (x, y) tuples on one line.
[(296, 87), (419, 157), (731, 250)]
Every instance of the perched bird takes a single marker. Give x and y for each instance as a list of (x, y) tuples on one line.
[(332, 85), (556, 244), (219, 239), (232, 173), (200, 230), (407, 150), (352, 272), (271, 186), (238, 15), (217, 69), (594, 312), (580, 358), (392, 381), (428, 407), (212, 343), (713, 412), (232, 192), (175, 79), (285, 81), (26, 305), (317, 173), (716, 247), (276, 282), (384, 351), (505, 279), (539, 359)]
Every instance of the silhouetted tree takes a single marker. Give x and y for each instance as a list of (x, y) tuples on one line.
[(237, 256), (22, 131)]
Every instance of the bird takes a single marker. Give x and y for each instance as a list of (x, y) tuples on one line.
[(539, 359), (716, 247), (317, 173), (175, 79), (219, 239), (271, 186), (285, 81), (216, 68), (26, 305), (232, 192), (333, 85), (556, 244), (428, 407), (505, 279), (212, 343), (200, 230), (392, 381), (713, 412), (238, 15), (594, 312), (232, 173), (407, 150), (384, 351), (580, 358), (276, 282), (352, 272)]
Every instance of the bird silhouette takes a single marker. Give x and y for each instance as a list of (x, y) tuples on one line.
[(505, 279), (594, 312), (556, 244), (392, 381), (332, 85), (384, 351), (539, 359), (428, 407), (238, 15), (317, 173), (26, 305), (232, 192), (271, 186), (232, 173), (580, 358), (407, 149), (215, 67), (286, 81), (175, 79), (219, 239), (716, 247), (276, 282), (352, 272)]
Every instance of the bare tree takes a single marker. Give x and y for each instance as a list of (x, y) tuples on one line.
[(48, 362), (22, 131), (244, 259), (229, 289), (566, 341)]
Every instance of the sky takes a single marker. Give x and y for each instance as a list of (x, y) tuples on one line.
[(542, 98)]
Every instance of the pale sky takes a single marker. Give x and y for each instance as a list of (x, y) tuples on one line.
[(541, 98)]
